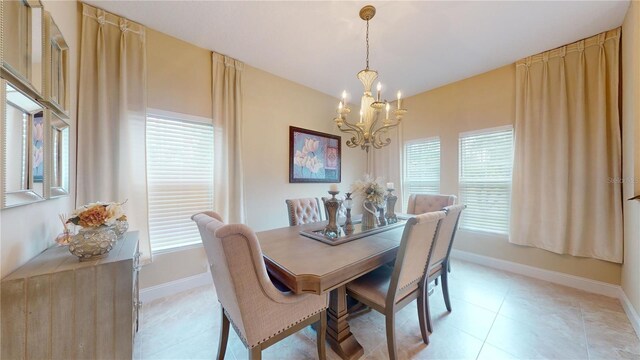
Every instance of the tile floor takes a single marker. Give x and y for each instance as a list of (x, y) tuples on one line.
[(496, 315)]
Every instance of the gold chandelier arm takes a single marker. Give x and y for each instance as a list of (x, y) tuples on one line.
[(376, 137), (358, 135)]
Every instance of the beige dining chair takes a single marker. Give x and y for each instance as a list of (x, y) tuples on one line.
[(387, 290), (440, 256), (423, 203), (260, 314), (303, 211)]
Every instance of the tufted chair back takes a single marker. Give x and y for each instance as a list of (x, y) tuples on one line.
[(303, 211), (424, 203)]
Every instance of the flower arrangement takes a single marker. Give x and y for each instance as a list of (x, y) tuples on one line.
[(372, 190), (98, 214)]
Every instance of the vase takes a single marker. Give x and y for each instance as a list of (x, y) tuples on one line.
[(121, 227), (93, 242), (369, 218)]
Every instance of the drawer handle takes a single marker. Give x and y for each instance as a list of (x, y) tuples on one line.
[(137, 268), (137, 304)]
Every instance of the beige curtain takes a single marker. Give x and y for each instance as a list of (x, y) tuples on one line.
[(566, 195), (386, 163), (111, 117), (227, 120)]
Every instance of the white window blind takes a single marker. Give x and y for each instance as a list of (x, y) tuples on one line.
[(179, 179), (421, 167), (486, 160)]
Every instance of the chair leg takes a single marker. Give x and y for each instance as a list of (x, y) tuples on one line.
[(422, 317), (224, 335), (320, 335), (391, 334), (255, 353), (445, 290), (425, 296)]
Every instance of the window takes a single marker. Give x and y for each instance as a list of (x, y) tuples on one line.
[(486, 160), (421, 167), (179, 179)]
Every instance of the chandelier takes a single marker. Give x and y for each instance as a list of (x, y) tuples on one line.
[(369, 130)]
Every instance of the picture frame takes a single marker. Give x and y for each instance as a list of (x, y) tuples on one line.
[(314, 157)]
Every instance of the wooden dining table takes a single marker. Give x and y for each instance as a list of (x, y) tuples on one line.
[(307, 265)]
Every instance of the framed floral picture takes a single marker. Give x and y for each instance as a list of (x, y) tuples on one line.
[(314, 157)]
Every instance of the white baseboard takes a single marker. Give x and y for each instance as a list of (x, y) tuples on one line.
[(594, 286), (174, 287), (631, 312), (577, 282)]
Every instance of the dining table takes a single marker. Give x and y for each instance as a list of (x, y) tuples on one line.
[(307, 265)]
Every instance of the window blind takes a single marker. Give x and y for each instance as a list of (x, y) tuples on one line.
[(421, 167), (179, 179), (485, 164)]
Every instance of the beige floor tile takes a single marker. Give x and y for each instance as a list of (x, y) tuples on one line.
[(610, 335), (519, 317), (536, 339), (470, 318), (490, 352)]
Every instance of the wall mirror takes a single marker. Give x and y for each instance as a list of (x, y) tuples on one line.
[(22, 40), (59, 153), (56, 55), (23, 136)]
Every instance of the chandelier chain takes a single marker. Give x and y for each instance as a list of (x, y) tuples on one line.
[(367, 67)]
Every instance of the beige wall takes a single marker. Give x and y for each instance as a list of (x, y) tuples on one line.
[(484, 101), (179, 78), (271, 105), (27, 230), (631, 149)]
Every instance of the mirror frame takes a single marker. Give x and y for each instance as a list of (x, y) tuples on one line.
[(55, 123), (53, 35), (19, 80), (26, 196)]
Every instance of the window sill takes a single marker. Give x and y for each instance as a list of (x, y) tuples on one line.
[(177, 249)]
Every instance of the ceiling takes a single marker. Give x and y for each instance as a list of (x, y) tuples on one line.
[(415, 46)]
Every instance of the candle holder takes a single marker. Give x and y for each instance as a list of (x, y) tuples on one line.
[(381, 218), (348, 224), (332, 205), (391, 216)]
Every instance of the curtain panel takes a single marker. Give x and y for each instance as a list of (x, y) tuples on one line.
[(227, 120), (112, 102), (565, 194)]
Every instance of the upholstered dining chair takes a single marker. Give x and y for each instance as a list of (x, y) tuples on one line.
[(423, 203), (387, 290), (440, 256), (260, 314), (303, 211)]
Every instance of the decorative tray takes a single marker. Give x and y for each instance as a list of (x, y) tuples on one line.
[(358, 232)]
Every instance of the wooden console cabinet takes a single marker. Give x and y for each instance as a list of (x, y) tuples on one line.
[(56, 307)]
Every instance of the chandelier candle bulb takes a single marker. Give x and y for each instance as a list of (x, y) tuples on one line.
[(388, 107), (399, 100), (379, 87)]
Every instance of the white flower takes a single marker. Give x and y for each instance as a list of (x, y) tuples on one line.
[(310, 145), (313, 164), (300, 158), (114, 212)]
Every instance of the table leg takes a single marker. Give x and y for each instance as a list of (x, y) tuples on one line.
[(339, 334)]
